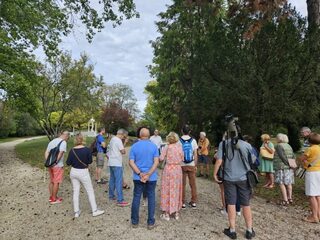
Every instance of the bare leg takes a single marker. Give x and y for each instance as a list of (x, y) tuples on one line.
[(247, 216), (50, 188), (55, 189), (284, 192), (318, 200), (232, 216), (271, 177), (289, 191), (222, 196), (201, 169), (98, 174), (314, 208), (267, 180), (208, 169)]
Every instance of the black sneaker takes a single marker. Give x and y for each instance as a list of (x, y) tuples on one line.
[(183, 205), (250, 235), (232, 235)]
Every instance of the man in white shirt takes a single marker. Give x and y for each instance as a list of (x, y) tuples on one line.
[(156, 139), (56, 171), (115, 151), (189, 166)]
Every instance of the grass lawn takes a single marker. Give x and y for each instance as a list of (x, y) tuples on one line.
[(32, 151), (9, 139)]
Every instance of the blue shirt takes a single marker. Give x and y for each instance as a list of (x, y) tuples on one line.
[(143, 153), (100, 139)]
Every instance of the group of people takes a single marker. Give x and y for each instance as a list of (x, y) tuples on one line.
[(276, 164), (181, 156)]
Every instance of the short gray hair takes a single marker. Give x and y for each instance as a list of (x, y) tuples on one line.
[(305, 129), (203, 134), (282, 138), (122, 131)]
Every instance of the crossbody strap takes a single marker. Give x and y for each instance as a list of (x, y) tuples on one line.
[(244, 164), (224, 157), (79, 158)]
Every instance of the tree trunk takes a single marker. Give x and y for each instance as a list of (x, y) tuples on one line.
[(313, 13)]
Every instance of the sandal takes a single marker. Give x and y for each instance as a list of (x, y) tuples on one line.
[(284, 203), (310, 220), (290, 201), (126, 186)]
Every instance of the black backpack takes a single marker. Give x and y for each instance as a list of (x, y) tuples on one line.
[(93, 147), (52, 158)]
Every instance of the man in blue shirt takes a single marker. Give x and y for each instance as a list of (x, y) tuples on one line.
[(101, 148), (144, 159)]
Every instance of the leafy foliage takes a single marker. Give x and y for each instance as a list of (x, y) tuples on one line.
[(114, 117), (27, 25), (64, 87), (210, 61)]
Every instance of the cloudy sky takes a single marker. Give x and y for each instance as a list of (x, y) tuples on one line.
[(121, 55)]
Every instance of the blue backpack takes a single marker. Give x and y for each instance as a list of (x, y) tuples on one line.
[(187, 150)]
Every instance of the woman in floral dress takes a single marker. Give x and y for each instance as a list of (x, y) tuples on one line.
[(171, 181)]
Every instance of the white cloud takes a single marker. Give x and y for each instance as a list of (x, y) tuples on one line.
[(301, 6)]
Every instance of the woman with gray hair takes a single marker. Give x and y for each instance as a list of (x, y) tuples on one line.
[(284, 175)]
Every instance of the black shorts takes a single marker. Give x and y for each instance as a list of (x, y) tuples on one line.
[(203, 159), (234, 190)]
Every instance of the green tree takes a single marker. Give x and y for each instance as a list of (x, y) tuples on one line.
[(122, 95), (27, 25), (212, 59), (65, 86)]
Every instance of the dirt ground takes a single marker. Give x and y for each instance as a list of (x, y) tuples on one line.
[(26, 214)]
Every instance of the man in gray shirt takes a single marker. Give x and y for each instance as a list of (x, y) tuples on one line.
[(235, 182)]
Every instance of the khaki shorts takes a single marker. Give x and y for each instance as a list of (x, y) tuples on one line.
[(100, 160)]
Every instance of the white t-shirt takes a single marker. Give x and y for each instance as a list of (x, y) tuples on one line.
[(114, 154), (194, 148), (157, 140), (63, 148)]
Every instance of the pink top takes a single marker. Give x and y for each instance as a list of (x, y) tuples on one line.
[(173, 154)]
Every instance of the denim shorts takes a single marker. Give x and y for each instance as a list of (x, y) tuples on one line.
[(237, 190), (203, 159)]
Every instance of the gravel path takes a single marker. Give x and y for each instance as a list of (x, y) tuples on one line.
[(26, 214)]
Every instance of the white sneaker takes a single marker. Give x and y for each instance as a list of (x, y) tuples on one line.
[(165, 217), (97, 213), (239, 214), (223, 212), (77, 214)]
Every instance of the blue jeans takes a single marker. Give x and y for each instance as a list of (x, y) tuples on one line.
[(150, 187), (115, 183)]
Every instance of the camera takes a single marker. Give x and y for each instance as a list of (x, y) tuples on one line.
[(233, 128)]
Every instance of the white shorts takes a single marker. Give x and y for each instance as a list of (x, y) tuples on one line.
[(312, 183)]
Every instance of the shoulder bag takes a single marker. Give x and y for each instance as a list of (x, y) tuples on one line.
[(265, 154), (252, 177), (301, 172)]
